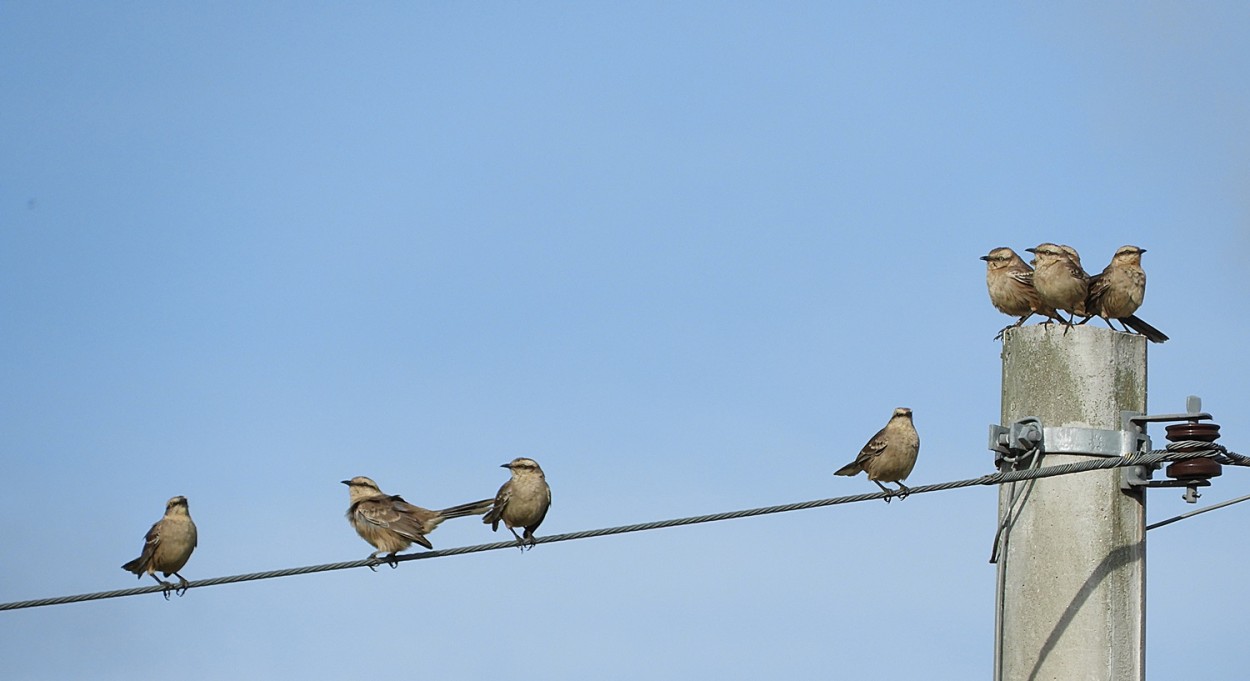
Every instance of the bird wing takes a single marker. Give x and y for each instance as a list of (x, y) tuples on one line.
[(150, 541), (380, 512), (391, 512), (1097, 286), (1022, 276), (496, 512), (152, 538), (394, 514), (874, 447)]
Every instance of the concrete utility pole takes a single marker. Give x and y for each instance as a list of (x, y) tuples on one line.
[(1072, 555)]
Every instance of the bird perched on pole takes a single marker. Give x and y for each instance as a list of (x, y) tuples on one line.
[(1118, 291), (890, 455), (522, 501), (167, 546), (1059, 279), (1010, 283), (391, 524)]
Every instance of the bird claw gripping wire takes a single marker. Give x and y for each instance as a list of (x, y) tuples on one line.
[(373, 561), (901, 493)]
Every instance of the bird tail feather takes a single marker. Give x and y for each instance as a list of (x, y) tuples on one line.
[(852, 468), (135, 566), (471, 508), (1151, 333)]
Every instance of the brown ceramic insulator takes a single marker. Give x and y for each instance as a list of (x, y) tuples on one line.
[(1193, 430), (1192, 469)]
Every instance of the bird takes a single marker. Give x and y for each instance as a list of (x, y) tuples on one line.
[(522, 501), (1060, 281), (1010, 283), (167, 546), (1072, 254), (391, 524), (1118, 291), (890, 455)]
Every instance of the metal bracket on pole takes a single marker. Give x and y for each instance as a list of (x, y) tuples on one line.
[(1016, 442), (1134, 477), (1028, 435), (1028, 438), (1138, 477)]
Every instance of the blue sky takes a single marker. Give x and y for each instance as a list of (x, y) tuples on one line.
[(687, 256)]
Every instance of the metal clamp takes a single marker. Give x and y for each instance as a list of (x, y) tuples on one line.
[(1028, 435), (1016, 442), (1028, 438)]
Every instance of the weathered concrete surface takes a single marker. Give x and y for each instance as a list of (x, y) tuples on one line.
[(1071, 569)]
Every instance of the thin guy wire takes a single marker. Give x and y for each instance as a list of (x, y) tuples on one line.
[(1018, 495), (1208, 451), (1200, 511)]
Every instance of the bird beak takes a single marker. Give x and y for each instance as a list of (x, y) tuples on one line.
[(1141, 250), (985, 258), (346, 482), (505, 465), (1031, 250)]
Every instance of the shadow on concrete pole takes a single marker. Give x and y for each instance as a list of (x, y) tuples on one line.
[(1072, 558)]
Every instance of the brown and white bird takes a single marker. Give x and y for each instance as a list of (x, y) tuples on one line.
[(1059, 279), (167, 546), (1118, 291), (1073, 255), (391, 524), (890, 455), (522, 501), (1010, 282)]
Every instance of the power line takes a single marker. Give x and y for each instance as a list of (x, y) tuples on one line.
[(1200, 511), (1211, 451)]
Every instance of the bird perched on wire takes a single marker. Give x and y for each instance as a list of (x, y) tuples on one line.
[(1060, 281), (1118, 291), (167, 546), (890, 455), (522, 501), (1010, 283), (391, 524)]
